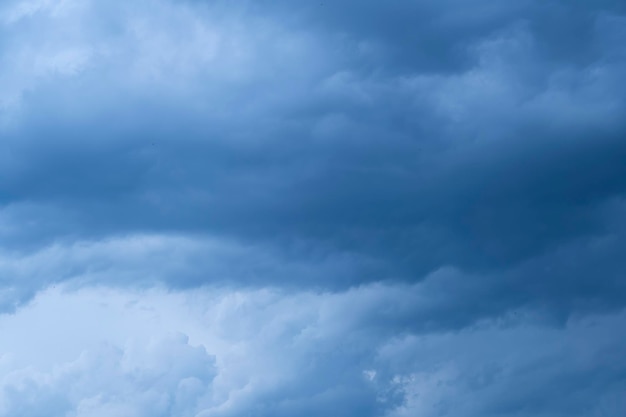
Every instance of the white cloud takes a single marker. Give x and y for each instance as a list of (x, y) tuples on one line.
[(96, 351), (166, 377)]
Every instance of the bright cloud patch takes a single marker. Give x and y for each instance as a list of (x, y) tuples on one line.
[(224, 353)]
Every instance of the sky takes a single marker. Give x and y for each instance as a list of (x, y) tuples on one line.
[(269, 208)]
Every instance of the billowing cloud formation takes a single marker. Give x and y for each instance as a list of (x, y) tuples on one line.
[(308, 354), (436, 172), (169, 379)]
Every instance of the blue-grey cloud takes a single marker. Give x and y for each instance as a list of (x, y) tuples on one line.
[(450, 163), (271, 353)]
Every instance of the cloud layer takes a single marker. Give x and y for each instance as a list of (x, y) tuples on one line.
[(378, 202), (259, 352)]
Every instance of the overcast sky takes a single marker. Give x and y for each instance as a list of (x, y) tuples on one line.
[(272, 208)]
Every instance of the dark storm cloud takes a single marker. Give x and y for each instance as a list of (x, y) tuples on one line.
[(436, 36), (414, 135), (367, 208)]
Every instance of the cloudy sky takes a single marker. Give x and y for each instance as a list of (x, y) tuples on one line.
[(272, 208)]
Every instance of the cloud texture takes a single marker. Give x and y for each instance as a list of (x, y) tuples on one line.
[(334, 208)]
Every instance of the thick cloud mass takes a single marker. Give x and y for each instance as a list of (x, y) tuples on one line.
[(308, 354), (388, 200)]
